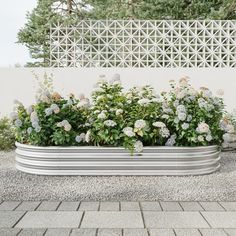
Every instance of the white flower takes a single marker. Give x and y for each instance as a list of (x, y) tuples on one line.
[(230, 129), (115, 79), (200, 138), (159, 124), (119, 112), (208, 138), (129, 131), (37, 129), (34, 117), (185, 125), (143, 102), (14, 116), (183, 82), (83, 103), (110, 123), (165, 133), (171, 141), (176, 103), (18, 123), (29, 130), (140, 124), (182, 116), (181, 109), (67, 127), (48, 111), (102, 116), (29, 110), (203, 128), (35, 124), (98, 90), (87, 136), (55, 108), (80, 138), (138, 146), (100, 97), (207, 93)]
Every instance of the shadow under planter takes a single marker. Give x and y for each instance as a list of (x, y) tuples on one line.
[(89, 160)]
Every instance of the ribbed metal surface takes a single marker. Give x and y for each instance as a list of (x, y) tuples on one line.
[(117, 161)]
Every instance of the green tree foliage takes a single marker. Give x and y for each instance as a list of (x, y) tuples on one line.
[(35, 34)]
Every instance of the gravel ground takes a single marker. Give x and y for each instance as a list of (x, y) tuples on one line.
[(220, 186)]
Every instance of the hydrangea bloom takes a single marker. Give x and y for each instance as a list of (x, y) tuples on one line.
[(129, 131), (159, 124), (138, 146), (140, 124), (203, 128), (110, 123)]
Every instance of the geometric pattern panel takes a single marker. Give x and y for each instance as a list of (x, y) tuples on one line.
[(144, 43)]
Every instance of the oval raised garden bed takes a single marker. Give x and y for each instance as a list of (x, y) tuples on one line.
[(89, 160)]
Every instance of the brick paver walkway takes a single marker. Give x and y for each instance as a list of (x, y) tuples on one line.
[(117, 218)]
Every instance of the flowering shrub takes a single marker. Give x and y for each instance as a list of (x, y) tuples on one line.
[(7, 138), (142, 118), (135, 118), (192, 116), (53, 120), (107, 113)]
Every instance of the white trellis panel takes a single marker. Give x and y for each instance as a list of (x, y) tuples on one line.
[(144, 43)]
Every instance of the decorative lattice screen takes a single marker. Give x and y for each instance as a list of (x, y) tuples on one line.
[(139, 43)]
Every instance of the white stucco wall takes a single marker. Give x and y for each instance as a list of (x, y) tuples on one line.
[(19, 83)]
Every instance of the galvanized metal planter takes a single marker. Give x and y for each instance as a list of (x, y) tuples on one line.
[(117, 160)]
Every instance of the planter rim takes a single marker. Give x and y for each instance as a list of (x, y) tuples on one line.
[(20, 145)]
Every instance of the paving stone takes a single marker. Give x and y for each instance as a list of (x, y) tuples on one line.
[(9, 218), (230, 232), (212, 232), (9, 232), (229, 206), (174, 220), (109, 206), (135, 232), (187, 232), (89, 206), (50, 219), (68, 206), (191, 206), (58, 232), (150, 206), (220, 219), (171, 206), (32, 232), (83, 232), (9, 205), (211, 206), (109, 232), (112, 219), (48, 206), (161, 232), (129, 206), (27, 206)]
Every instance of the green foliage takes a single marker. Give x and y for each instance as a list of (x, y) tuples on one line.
[(7, 138), (35, 34)]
